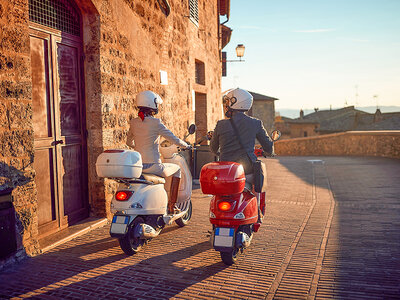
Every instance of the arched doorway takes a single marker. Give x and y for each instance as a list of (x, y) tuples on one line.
[(58, 113)]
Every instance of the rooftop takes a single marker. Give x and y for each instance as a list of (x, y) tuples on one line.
[(260, 97), (349, 118)]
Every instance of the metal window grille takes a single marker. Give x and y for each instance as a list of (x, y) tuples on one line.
[(194, 10), (57, 14)]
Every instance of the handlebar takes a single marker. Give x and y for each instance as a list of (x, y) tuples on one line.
[(187, 149)]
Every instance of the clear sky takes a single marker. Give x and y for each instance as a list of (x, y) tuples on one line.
[(317, 53)]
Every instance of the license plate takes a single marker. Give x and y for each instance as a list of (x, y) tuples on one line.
[(119, 224), (223, 237)]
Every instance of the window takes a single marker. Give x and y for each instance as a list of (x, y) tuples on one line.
[(194, 11), (200, 76)]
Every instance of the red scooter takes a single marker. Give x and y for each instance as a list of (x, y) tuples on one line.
[(233, 207)]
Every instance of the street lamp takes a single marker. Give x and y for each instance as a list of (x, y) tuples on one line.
[(240, 51)]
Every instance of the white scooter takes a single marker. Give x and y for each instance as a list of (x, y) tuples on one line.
[(140, 203)]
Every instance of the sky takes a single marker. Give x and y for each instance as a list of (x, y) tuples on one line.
[(317, 53)]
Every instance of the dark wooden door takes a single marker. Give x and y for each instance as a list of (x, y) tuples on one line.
[(58, 119)]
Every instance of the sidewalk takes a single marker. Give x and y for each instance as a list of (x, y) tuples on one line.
[(332, 230)]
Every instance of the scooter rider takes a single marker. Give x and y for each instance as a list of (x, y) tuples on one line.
[(224, 140), (144, 135)]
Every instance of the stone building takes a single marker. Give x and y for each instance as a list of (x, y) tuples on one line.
[(264, 109), (339, 120), (69, 73)]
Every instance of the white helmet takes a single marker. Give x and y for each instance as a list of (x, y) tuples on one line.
[(148, 99), (238, 99)]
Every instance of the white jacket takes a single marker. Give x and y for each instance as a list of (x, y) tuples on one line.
[(144, 137)]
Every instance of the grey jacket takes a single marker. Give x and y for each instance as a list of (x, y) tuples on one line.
[(226, 142)]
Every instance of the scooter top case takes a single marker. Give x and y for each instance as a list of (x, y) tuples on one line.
[(119, 163), (222, 178)]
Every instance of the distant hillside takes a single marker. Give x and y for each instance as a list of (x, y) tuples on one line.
[(295, 113)]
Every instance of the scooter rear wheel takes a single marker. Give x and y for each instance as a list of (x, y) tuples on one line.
[(229, 258), (129, 243), (185, 218)]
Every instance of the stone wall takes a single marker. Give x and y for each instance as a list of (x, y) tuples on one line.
[(131, 58), (357, 143), (125, 43), (16, 136)]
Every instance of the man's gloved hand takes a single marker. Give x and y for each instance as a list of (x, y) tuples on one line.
[(266, 154)]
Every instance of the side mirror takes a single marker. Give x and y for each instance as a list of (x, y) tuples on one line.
[(275, 135), (192, 129)]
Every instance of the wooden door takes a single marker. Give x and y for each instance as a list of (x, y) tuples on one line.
[(69, 129), (58, 119)]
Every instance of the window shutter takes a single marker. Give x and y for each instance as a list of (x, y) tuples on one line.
[(194, 11)]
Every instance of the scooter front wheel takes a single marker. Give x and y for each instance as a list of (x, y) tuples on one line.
[(229, 258), (129, 243), (185, 218)]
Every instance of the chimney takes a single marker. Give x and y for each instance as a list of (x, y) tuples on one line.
[(301, 114), (378, 116)]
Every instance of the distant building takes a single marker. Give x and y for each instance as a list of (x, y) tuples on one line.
[(282, 124), (340, 120), (264, 109)]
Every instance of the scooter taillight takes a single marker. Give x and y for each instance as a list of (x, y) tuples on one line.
[(225, 205), (123, 195)]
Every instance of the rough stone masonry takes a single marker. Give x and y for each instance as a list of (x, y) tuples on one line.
[(124, 46)]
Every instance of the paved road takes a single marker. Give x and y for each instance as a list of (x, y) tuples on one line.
[(332, 230)]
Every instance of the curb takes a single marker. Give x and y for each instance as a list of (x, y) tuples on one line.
[(98, 224)]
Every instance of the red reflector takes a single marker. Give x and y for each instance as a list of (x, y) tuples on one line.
[(224, 205), (123, 196), (256, 226), (114, 151)]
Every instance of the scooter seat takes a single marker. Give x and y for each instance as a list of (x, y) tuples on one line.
[(153, 178)]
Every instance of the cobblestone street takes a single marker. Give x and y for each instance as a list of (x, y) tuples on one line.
[(332, 230)]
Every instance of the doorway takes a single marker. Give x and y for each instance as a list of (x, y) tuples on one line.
[(58, 114)]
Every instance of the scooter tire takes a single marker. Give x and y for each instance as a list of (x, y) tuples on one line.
[(229, 258), (129, 244), (186, 218)]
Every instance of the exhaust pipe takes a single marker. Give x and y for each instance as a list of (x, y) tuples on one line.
[(145, 231), (243, 239)]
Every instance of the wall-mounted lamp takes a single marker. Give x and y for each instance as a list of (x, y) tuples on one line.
[(239, 53)]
